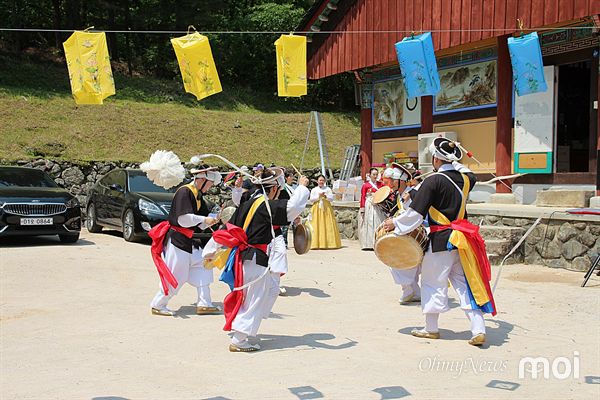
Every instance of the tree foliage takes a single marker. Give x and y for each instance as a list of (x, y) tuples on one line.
[(242, 58)]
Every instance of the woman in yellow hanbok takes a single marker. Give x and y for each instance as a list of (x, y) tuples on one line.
[(326, 234)]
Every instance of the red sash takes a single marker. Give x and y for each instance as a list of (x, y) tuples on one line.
[(157, 234), (234, 236)]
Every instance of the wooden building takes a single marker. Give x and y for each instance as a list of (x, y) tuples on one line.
[(551, 136)]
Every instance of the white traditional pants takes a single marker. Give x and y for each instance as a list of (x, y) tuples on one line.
[(188, 268), (259, 298), (437, 269), (408, 279)]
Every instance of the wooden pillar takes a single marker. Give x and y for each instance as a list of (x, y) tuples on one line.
[(504, 114), (426, 114), (366, 141), (598, 132)]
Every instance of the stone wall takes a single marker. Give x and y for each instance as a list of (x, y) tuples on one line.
[(347, 220), (557, 243)]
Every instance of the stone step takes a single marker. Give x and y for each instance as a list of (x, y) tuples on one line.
[(497, 249), (511, 233), (563, 198), (515, 258)]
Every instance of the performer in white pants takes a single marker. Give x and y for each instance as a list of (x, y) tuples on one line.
[(262, 255), (442, 198), (182, 256), (397, 177)]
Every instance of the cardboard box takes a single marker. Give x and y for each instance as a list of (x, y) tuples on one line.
[(339, 186)]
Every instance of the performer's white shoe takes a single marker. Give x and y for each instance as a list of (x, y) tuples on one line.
[(477, 340), (163, 311), (282, 291), (207, 310), (243, 347), (411, 298), (422, 333)]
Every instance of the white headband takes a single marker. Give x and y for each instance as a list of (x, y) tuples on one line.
[(396, 173), (442, 155), (213, 176)]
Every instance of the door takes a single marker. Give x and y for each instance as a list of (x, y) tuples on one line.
[(101, 197), (116, 198), (535, 128)]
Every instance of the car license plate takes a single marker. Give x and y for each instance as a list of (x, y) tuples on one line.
[(36, 221)]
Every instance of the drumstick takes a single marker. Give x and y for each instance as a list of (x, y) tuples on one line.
[(425, 175), (296, 169)]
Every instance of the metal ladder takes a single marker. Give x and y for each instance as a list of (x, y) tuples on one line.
[(350, 162)]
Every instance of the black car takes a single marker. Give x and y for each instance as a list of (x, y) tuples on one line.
[(126, 200), (32, 204)]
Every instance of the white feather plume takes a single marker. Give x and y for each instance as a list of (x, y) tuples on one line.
[(164, 169), (195, 160)]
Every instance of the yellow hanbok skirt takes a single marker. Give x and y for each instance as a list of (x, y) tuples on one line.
[(325, 232)]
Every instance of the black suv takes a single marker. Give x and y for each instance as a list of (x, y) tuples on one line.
[(126, 200), (32, 204)]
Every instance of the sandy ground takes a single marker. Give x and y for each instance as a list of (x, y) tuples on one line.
[(76, 324)]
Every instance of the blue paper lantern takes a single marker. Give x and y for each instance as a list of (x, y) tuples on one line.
[(528, 67), (418, 66)]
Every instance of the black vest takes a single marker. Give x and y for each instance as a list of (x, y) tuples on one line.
[(259, 230), (439, 192), (187, 200)]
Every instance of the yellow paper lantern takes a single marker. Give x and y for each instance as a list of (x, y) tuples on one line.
[(89, 67), (197, 66), (291, 65)]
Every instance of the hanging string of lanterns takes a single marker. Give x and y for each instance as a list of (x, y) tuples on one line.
[(92, 81)]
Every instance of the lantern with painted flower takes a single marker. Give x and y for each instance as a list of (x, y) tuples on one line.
[(290, 51), (198, 69), (527, 65), (89, 67), (418, 65)]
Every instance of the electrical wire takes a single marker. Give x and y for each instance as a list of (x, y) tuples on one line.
[(362, 32)]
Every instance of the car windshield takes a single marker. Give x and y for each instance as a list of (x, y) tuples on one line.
[(139, 182), (11, 177)]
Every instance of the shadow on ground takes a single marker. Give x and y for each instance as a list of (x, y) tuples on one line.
[(39, 241), (497, 332), (311, 340), (296, 291)]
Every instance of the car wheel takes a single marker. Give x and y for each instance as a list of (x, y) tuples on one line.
[(129, 226), (91, 223), (68, 238)]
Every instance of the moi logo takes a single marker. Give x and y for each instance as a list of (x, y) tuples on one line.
[(561, 367)]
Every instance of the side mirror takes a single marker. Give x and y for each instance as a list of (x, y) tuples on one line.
[(116, 187)]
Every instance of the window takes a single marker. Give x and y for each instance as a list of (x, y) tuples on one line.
[(25, 177)]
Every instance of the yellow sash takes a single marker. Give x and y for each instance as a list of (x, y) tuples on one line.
[(466, 253), (223, 254), (195, 191)]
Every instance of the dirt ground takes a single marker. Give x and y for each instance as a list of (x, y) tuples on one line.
[(75, 323)]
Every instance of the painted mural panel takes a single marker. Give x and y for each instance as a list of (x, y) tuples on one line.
[(392, 109), (465, 87)]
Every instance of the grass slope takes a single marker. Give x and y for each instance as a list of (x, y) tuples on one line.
[(38, 116)]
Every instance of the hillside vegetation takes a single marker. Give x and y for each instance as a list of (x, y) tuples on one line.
[(39, 118)]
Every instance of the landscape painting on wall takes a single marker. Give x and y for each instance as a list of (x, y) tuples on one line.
[(467, 87), (392, 109)]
